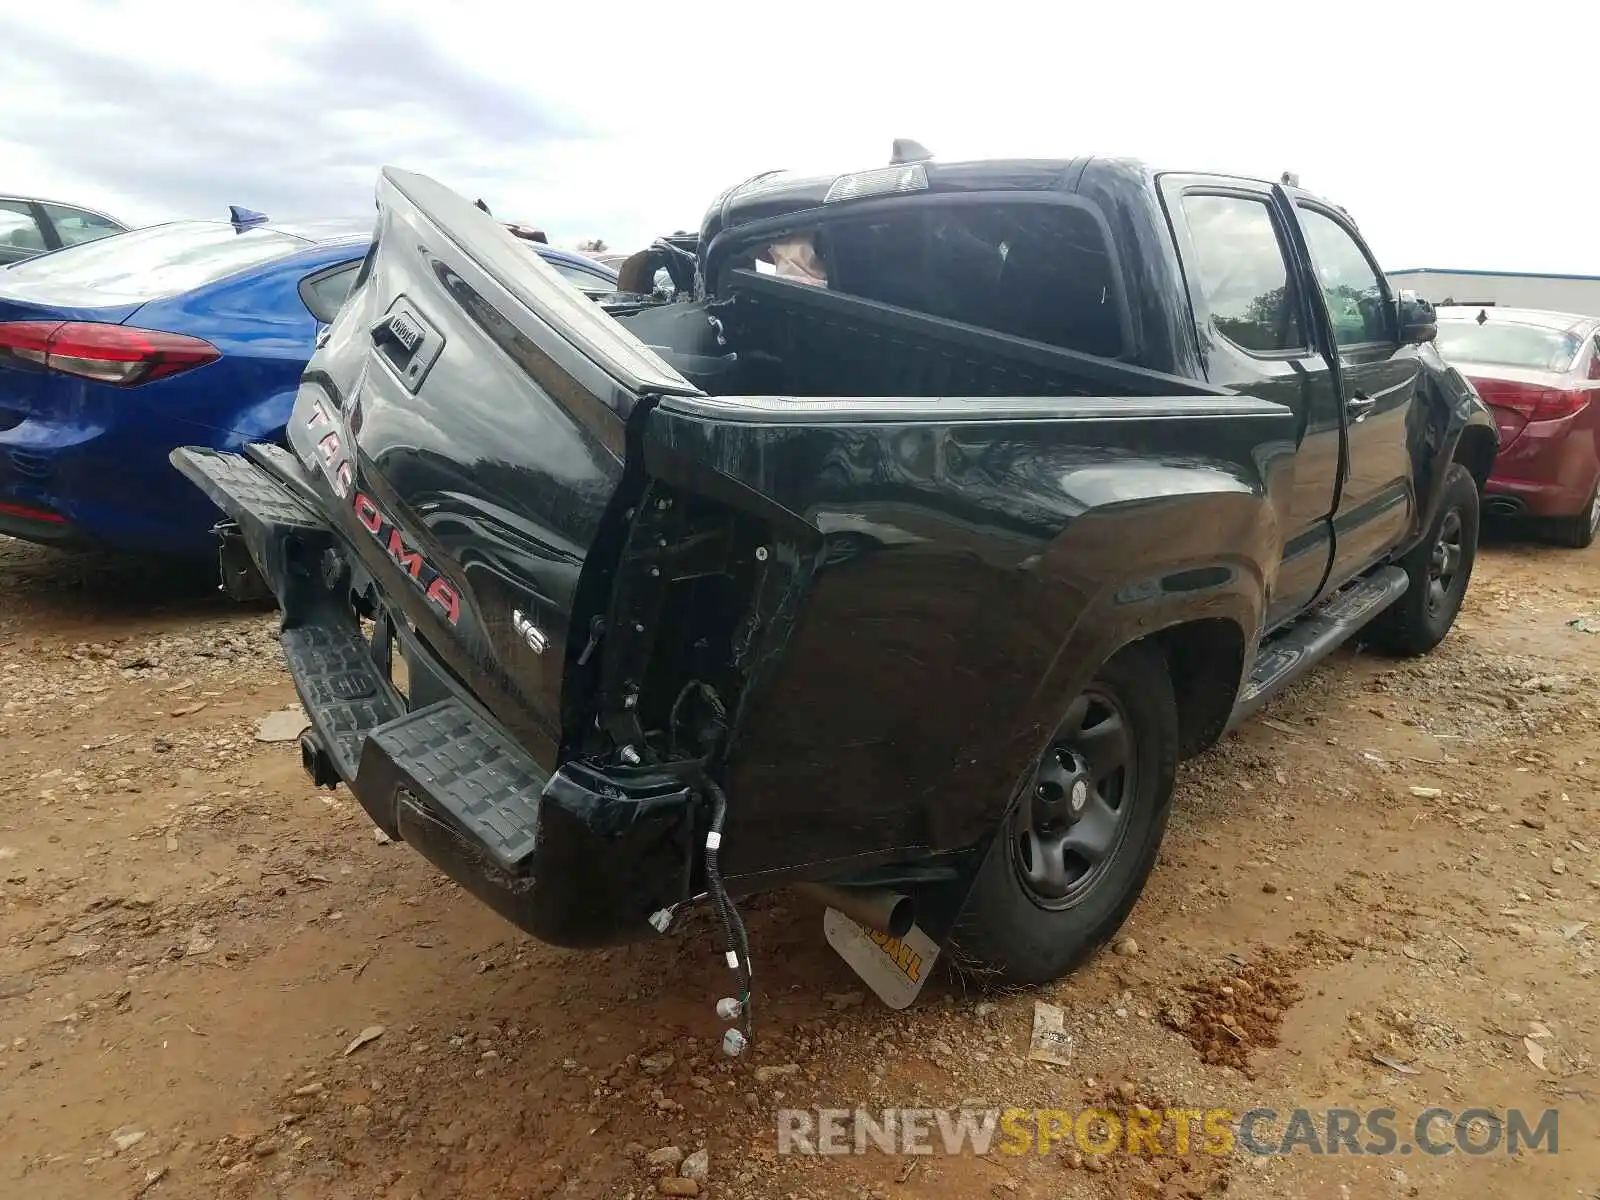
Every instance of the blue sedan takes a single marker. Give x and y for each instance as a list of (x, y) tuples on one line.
[(190, 333)]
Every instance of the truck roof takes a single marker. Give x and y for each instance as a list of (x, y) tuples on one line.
[(775, 193)]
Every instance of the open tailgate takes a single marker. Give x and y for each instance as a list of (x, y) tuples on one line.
[(464, 424)]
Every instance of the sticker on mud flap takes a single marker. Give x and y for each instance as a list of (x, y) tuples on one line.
[(894, 968)]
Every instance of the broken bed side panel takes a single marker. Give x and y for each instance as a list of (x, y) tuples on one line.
[(972, 562)]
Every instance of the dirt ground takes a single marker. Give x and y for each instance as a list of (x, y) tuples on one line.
[(1396, 859)]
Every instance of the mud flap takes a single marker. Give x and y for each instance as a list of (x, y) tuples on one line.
[(894, 968)]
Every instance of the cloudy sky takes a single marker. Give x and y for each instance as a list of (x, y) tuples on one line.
[(1454, 139)]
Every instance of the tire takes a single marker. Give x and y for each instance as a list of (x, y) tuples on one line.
[(1439, 567), (1577, 532), (1026, 922)]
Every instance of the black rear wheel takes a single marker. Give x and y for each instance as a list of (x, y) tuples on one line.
[(1073, 855)]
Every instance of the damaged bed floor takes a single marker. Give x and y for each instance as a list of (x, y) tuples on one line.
[(218, 982)]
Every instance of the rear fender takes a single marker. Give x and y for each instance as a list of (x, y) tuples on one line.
[(952, 575)]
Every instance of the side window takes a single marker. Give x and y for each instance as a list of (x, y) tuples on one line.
[(1350, 284), (323, 294), (586, 281), (74, 225), (1241, 273), (19, 232)]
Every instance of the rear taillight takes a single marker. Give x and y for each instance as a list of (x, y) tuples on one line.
[(29, 513), (1531, 402), (114, 354), (1552, 403)]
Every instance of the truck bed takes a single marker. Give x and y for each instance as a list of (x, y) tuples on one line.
[(785, 338)]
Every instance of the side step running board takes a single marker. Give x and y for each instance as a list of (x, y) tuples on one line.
[(1291, 652)]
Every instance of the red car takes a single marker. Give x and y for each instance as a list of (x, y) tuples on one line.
[(1540, 373)]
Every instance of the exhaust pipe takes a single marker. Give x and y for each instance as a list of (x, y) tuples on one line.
[(876, 908)]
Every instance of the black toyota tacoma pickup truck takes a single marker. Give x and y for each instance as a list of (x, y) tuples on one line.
[(902, 555)]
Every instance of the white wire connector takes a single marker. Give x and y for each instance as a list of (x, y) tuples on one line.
[(733, 1043), (729, 1008), (733, 960), (662, 918), (713, 839)]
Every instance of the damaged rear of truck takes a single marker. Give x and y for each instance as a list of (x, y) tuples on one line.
[(778, 584)]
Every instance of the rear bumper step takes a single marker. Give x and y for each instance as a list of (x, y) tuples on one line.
[(574, 857)]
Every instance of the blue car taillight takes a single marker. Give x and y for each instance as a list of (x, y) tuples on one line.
[(113, 354)]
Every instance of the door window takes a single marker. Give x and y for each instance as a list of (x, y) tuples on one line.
[(586, 281), (1350, 284), (18, 229), (74, 225), (1240, 273)]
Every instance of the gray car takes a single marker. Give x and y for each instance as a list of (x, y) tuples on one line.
[(30, 226)]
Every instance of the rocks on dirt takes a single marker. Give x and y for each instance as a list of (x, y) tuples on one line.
[(1126, 947), (127, 1137), (370, 1034), (199, 944), (658, 1063), (666, 1156), (697, 1166), (769, 1073), (677, 1185), (1235, 1015), (285, 725)]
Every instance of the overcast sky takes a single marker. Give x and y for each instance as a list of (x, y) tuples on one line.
[(1454, 139)]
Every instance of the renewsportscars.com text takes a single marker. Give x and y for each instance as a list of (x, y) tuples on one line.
[(1213, 1131)]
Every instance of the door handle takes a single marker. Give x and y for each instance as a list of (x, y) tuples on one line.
[(398, 334), (1359, 405)]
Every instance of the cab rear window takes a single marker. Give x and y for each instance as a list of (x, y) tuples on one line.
[(163, 260), (1038, 271)]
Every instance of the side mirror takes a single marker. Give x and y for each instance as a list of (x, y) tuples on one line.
[(1418, 324)]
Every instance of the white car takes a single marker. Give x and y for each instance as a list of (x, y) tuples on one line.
[(30, 226)]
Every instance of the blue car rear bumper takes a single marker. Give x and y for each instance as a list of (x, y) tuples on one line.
[(94, 485)]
